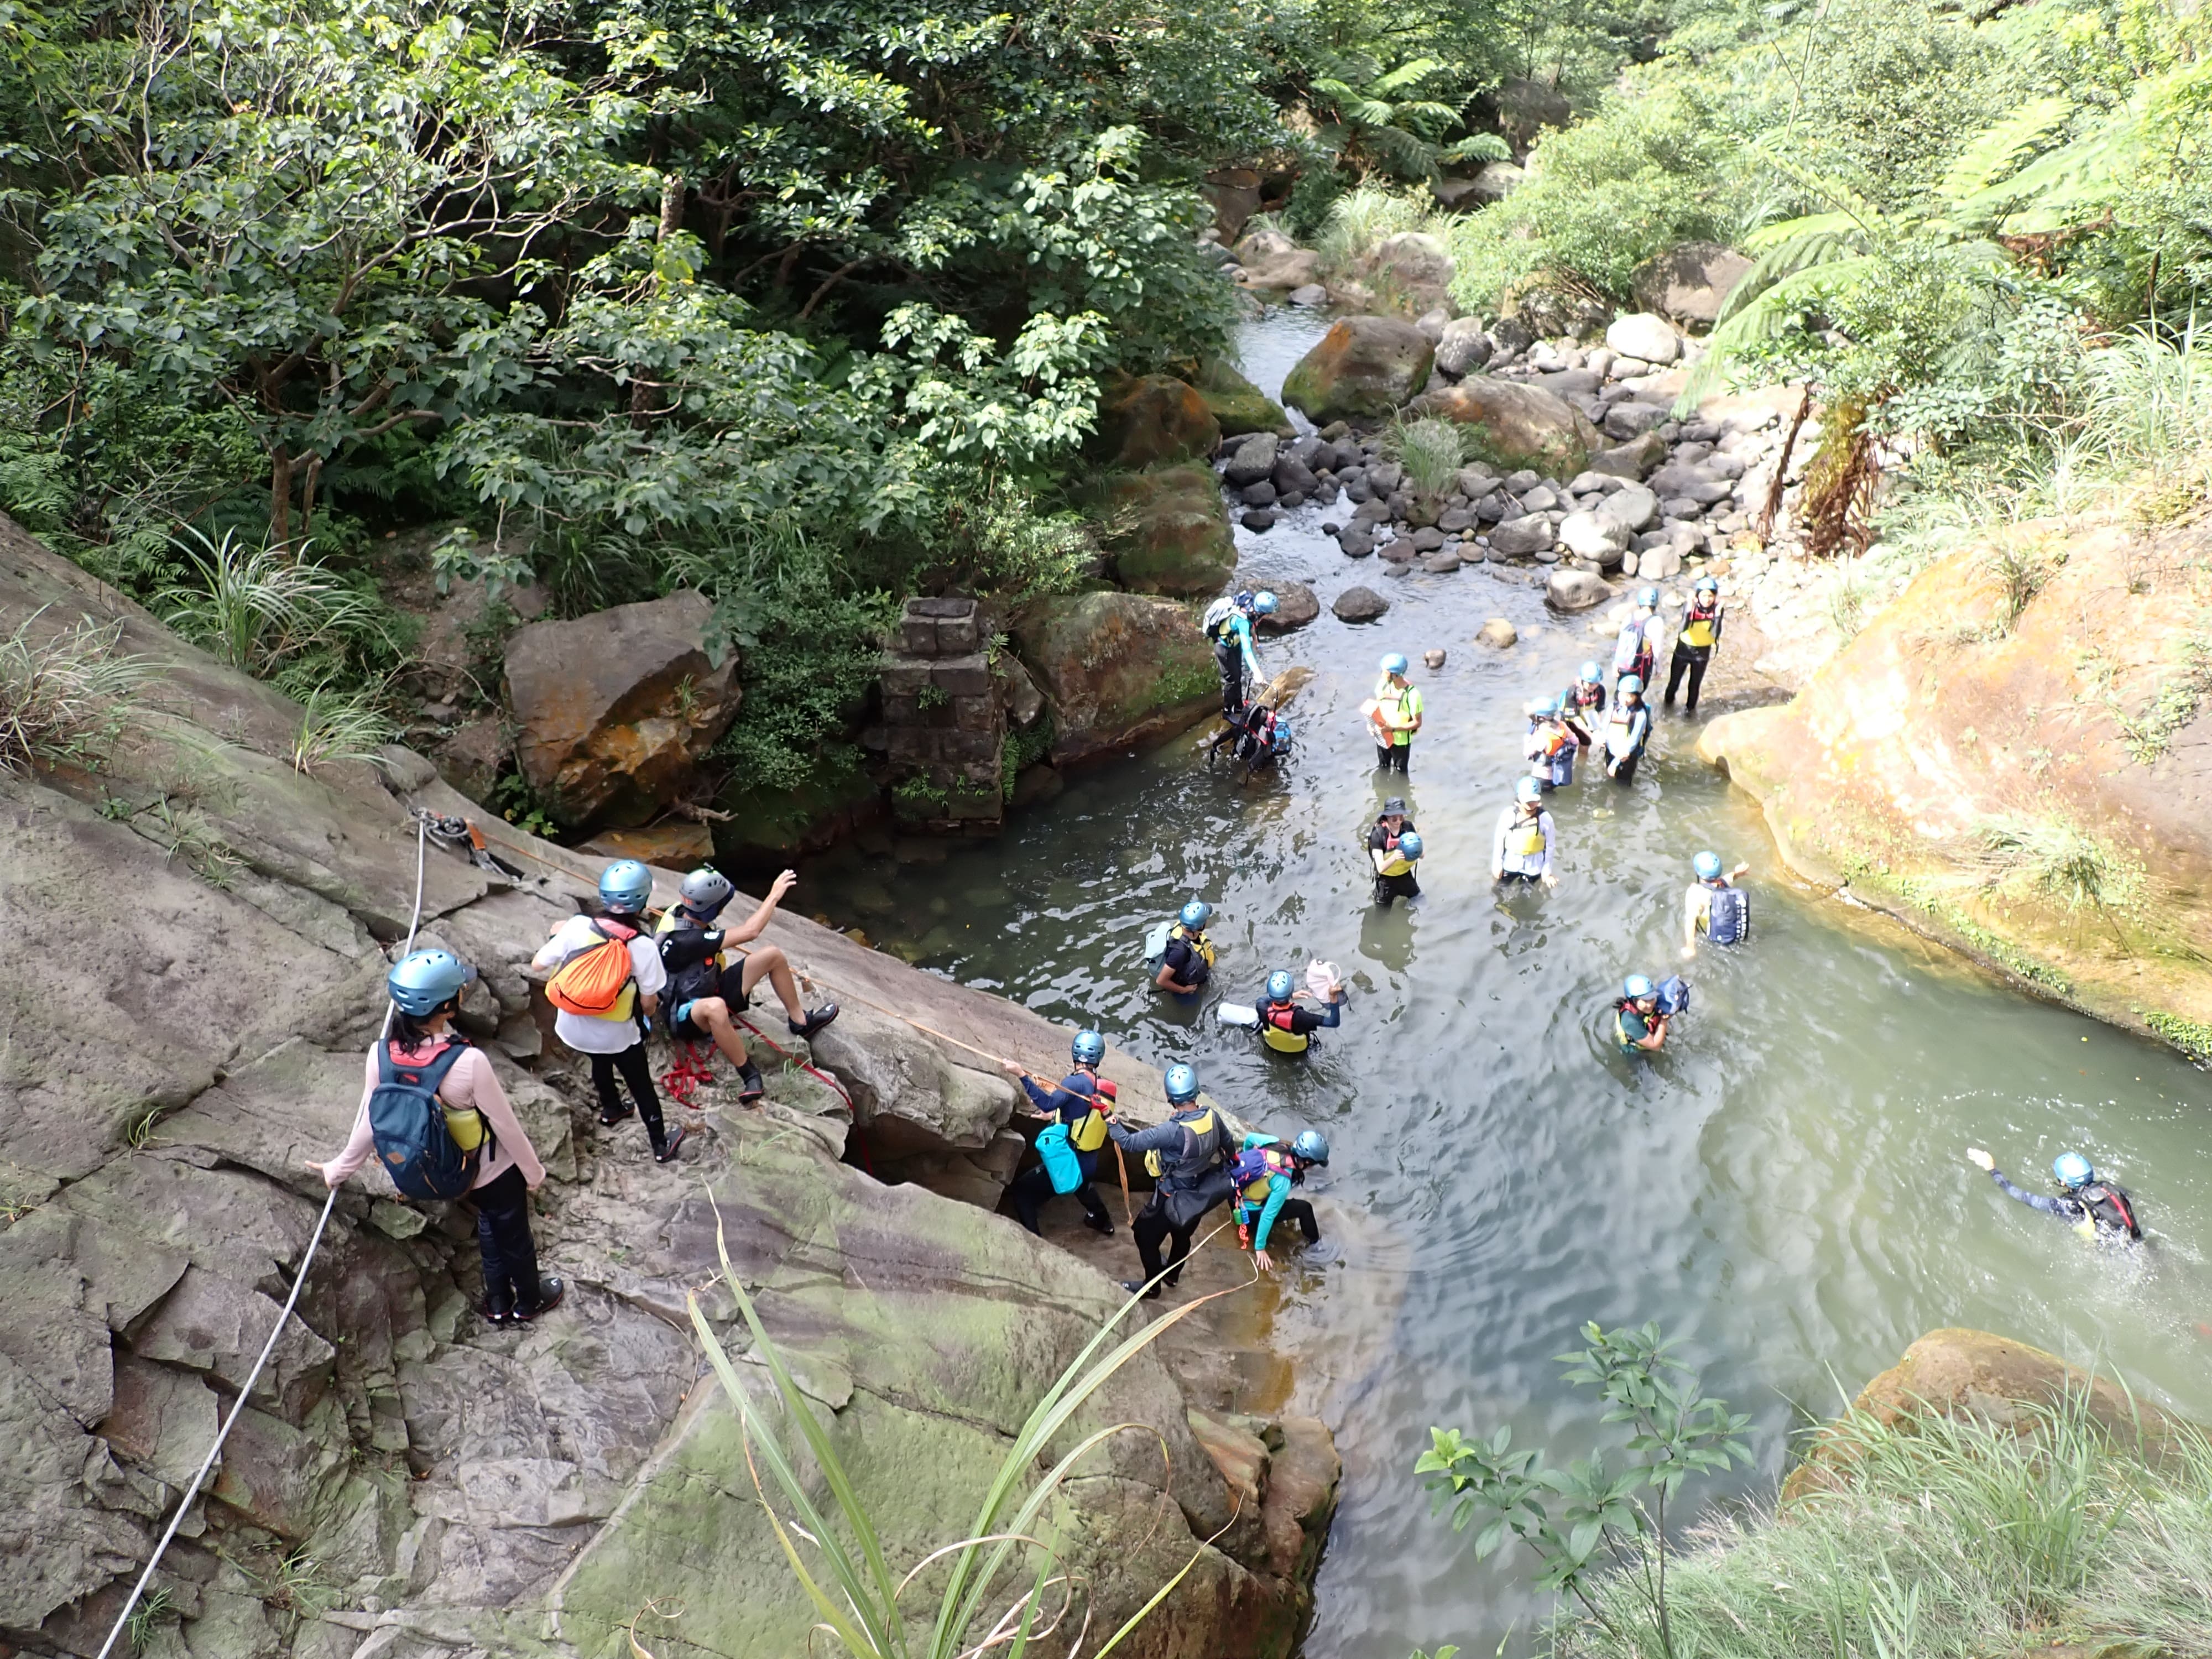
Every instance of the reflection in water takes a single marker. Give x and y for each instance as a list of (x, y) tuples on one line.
[(1783, 1187)]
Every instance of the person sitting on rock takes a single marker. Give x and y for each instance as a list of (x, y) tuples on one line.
[(1084, 1103), (1583, 703), (1695, 644), (1227, 625), (1550, 745), (2097, 1209), (710, 980), (1521, 848), (426, 993), (1627, 729), (1395, 865), (1715, 908)]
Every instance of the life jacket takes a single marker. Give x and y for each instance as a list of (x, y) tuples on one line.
[(1215, 625), (2110, 1208), (598, 980), (1254, 1170), (1625, 1006), (1407, 701), (1397, 864), (1198, 942), (1205, 1141), (1087, 1133), (418, 1139), (1620, 724), (1258, 739), (1728, 917), (1593, 698), (694, 971), (1524, 837), (1277, 1029), (1551, 736), (1701, 628)]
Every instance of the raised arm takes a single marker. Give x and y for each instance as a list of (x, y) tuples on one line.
[(749, 929)]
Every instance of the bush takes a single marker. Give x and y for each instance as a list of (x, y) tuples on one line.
[(63, 698)]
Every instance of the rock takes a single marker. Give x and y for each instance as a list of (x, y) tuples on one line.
[(1514, 425), (1414, 264), (1549, 308), (1453, 192), (1118, 669), (1499, 634), (1633, 460), (1399, 551), (1428, 540), (674, 844), (1236, 405), (1148, 419), (1591, 536), (473, 756), (617, 710), (1526, 107), (1251, 460), (1691, 484), (1261, 494), (1358, 540), (1433, 657), (1364, 367), (1595, 482), (1575, 590), (1260, 519), (1497, 180), (1313, 294), (1658, 563), (1632, 507), (1292, 476), (1017, 691), (1517, 538), (1686, 284), (1270, 260), (1166, 530), (1542, 498), (1462, 347), (1631, 419), (1235, 193), (1640, 334), (1295, 606), (1433, 322), (1442, 562), (1385, 476), (1358, 605)]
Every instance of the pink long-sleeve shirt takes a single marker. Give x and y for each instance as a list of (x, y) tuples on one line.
[(470, 1082)]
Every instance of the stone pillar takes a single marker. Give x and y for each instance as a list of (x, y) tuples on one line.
[(945, 726)]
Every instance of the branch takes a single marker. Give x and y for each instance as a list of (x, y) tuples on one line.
[(829, 282)]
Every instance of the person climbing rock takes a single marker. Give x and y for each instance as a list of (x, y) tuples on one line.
[(1227, 625), (1635, 649), (1394, 862), (1262, 1176), (2095, 1209), (1714, 907), (1583, 704), (710, 980), (1397, 715), (606, 986), (1287, 1027), (1694, 645), (1549, 744), (1521, 848), (1186, 962), (426, 993), (1627, 729), (1081, 1104), (1188, 1159)]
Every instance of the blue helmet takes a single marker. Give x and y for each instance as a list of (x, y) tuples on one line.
[(1088, 1048), (1281, 986), (1708, 867), (1409, 845), (1395, 663), (2072, 1170), (1629, 682), (1590, 674), (426, 981), (1263, 603), (1195, 915), (1636, 987), (1311, 1145), (1647, 598), (1537, 708), (625, 885), (1707, 585), (1525, 791), (1182, 1083)]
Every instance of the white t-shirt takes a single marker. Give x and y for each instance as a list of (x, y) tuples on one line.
[(587, 1034)]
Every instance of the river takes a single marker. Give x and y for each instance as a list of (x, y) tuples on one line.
[(1783, 1188)]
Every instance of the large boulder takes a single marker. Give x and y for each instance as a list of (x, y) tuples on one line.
[(1411, 264), (1526, 107), (1640, 334), (1463, 347), (1360, 604), (617, 710), (1364, 367), (1513, 425), (1167, 531), (1119, 669), (1575, 590), (1295, 606), (1497, 180), (1238, 406), (1147, 419), (1269, 259), (1235, 194), (1686, 284)]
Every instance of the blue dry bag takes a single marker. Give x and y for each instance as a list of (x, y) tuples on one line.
[(1061, 1167)]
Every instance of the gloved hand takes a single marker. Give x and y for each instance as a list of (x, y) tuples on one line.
[(1980, 1160)]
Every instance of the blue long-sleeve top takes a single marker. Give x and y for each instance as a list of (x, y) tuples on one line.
[(2070, 1209), (1239, 628), (1278, 1190), (1064, 1103)]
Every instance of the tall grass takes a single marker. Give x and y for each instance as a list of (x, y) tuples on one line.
[(259, 608), (2056, 860), (1956, 1537), (339, 726), (1360, 218), (1431, 450), (63, 699)]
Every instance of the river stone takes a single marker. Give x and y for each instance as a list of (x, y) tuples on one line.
[(1251, 460), (1358, 605), (1691, 482), (1498, 633), (1363, 368), (1261, 494), (1575, 590), (1313, 294), (1641, 335), (1238, 406), (1292, 476), (1428, 540), (1634, 460), (1398, 551), (1147, 419), (1118, 669), (1358, 540), (1591, 535), (1166, 530), (1513, 425), (1632, 506), (1260, 519), (1531, 533), (1440, 561), (617, 710), (1295, 606), (1630, 419), (1687, 283), (1462, 347), (1433, 657), (1542, 498)]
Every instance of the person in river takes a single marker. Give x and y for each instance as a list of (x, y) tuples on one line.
[(1395, 864), (1636, 648), (1082, 1103), (1638, 1026), (1583, 705), (1627, 729), (1715, 908), (2096, 1209), (1227, 625), (1188, 1159), (602, 1008), (426, 993), (1694, 645), (1186, 962), (1285, 1026), (1397, 716), (1262, 1176), (1521, 849), (1550, 745), (711, 982)]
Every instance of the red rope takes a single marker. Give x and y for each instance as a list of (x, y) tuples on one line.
[(692, 1068)]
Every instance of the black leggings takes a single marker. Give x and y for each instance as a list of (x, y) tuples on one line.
[(1692, 658), (1393, 757), (1395, 887), (1032, 1189), (636, 1069), (1297, 1210), (1230, 659), (510, 1254)]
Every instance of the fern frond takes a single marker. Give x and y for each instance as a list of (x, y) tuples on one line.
[(1790, 230), (1815, 242), (1368, 112), (1478, 147), (1408, 154), (1989, 155), (1767, 315), (1405, 76)]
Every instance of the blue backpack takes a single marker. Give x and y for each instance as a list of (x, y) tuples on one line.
[(1062, 1166), (409, 1122)]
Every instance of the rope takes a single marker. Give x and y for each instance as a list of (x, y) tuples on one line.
[(283, 1318), (691, 1069)]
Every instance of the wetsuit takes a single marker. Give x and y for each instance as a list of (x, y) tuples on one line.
[(1194, 1178), (1074, 1104), (1392, 883), (1186, 961), (1694, 650), (1264, 1200), (2099, 1210)]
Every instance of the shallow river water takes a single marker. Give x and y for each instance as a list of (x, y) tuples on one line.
[(1783, 1188)]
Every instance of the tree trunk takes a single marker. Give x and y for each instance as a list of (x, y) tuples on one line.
[(307, 499), (280, 498), (642, 401)]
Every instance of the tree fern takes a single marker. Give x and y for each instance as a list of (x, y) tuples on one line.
[(1990, 155)]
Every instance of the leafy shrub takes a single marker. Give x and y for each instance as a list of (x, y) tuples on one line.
[(1360, 218)]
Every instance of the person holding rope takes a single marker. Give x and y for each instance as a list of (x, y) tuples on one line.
[(1188, 1157), (710, 983), (1082, 1105), (420, 1045)]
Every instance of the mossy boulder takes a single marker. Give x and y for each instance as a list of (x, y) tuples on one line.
[(1511, 425), (1120, 669), (1364, 369), (1237, 405), (1167, 531), (770, 827), (1145, 420)]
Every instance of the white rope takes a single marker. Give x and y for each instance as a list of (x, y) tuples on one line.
[(283, 1318)]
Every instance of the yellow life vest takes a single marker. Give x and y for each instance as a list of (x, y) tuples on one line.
[(1090, 1134), (1397, 864), (1281, 1038), (1525, 840), (1198, 942), (1701, 628)]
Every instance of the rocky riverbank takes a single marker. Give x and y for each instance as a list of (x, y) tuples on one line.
[(214, 924)]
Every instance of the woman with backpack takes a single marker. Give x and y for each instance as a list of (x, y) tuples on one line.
[(476, 1139)]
